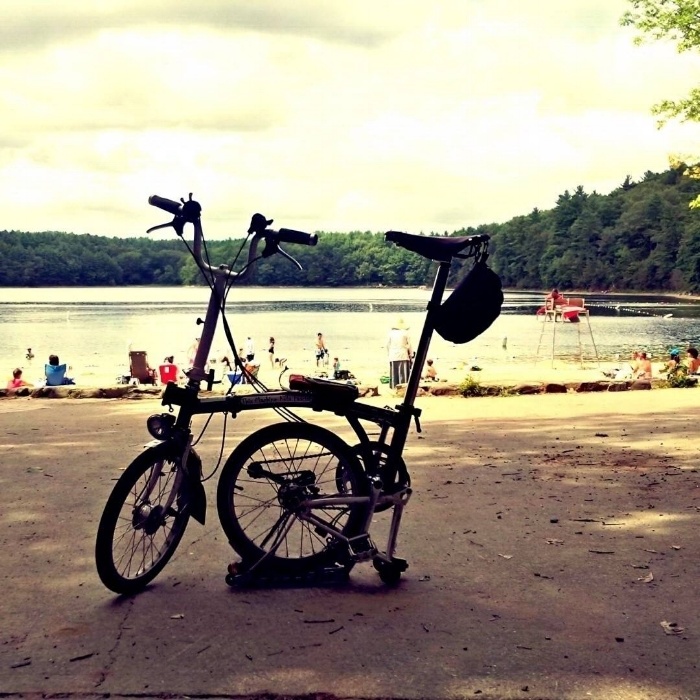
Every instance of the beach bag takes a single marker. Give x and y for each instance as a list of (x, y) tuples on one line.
[(475, 303)]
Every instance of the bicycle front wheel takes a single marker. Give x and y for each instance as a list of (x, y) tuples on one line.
[(139, 531), (266, 495)]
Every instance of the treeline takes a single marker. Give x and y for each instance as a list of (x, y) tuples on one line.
[(53, 259), (338, 260), (642, 236)]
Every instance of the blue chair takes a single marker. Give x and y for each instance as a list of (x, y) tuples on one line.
[(234, 377), (55, 374)]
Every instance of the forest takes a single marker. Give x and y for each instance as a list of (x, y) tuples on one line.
[(640, 237)]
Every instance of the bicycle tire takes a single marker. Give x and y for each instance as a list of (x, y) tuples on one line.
[(254, 511), (141, 528)]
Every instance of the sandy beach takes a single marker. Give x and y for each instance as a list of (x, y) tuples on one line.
[(552, 543)]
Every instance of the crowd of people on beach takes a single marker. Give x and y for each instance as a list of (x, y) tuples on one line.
[(243, 366), (54, 374), (240, 367), (640, 365)]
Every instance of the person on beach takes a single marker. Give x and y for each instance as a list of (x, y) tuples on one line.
[(29, 355), (192, 352), (17, 382), (400, 353), (673, 363), (56, 372), (271, 352), (430, 372), (557, 298), (626, 371), (643, 368), (168, 371), (693, 361), (249, 349), (321, 350)]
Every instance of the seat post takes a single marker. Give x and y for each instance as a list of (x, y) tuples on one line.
[(421, 354)]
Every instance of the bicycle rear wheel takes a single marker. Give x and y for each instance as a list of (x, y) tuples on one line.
[(138, 533), (265, 486)]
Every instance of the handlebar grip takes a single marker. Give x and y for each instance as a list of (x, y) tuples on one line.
[(288, 235), (165, 204)]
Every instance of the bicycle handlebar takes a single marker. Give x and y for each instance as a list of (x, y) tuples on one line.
[(165, 204), (288, 235), (190, 212)]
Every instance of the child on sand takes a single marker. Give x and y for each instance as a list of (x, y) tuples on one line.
[(17, 382), (430, 372)]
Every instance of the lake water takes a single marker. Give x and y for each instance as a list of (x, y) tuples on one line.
[(92, 328)]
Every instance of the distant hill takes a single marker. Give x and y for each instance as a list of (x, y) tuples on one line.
[(641, 237)]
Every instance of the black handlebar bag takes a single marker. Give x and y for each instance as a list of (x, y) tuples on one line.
[(475, 303)]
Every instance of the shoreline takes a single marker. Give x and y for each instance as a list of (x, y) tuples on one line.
[(91, 341), (513, 290), (498, 380)]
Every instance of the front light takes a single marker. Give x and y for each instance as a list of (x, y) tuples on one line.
[(160, 425)]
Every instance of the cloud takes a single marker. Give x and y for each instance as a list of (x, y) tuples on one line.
[(340, 116), (31, 24)]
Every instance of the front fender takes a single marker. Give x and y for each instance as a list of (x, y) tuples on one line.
[(194, 490)]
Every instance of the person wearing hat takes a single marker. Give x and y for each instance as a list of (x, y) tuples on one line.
[(400, 353), (674, 361)]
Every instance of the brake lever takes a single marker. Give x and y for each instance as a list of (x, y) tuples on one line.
[(272, 247), (178, 223), (285, 254), (155, 228)]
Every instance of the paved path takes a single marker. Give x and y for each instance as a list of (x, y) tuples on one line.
[(545, 551)]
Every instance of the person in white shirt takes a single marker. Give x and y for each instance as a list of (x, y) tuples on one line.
[(249, 349), (400, 353)]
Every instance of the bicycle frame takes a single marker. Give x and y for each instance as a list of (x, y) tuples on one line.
[(397, 419), (326, 512)]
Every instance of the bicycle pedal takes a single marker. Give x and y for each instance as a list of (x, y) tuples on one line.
[(361, 548)]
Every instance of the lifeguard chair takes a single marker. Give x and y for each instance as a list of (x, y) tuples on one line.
[(563, 310)]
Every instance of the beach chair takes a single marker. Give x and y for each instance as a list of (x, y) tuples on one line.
[(252, 369), (168, 373), (55, 374), (234, 377), (139, 367), (578, 304)]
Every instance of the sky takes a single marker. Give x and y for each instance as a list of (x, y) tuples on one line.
[(324, 115)]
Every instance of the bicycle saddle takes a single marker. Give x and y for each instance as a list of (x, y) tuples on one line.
[(438, 248)]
